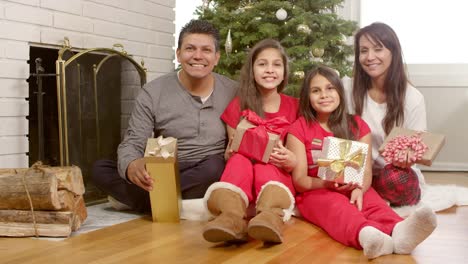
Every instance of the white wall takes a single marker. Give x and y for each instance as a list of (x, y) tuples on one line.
[(445, 89), (144, 27)]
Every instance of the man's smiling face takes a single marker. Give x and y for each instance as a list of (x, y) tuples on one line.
[(197, 55)]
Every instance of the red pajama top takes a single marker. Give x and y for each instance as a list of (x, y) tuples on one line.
[(288, 108), (312, 135)]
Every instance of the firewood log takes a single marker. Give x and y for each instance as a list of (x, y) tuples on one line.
[(42, 189)]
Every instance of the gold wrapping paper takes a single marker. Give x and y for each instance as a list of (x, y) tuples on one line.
[(161, 164)]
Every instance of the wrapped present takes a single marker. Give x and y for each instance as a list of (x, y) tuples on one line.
[(161, 164), (255, 137), (433, 142), (343, 160)]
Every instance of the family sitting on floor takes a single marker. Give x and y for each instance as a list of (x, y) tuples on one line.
[(202, 110)]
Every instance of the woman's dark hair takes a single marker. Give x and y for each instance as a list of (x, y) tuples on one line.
[(249, 93), (395, 82), (340, 122)]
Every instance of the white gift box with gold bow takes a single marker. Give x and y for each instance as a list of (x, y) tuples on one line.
[(161, 164), (342, 161)]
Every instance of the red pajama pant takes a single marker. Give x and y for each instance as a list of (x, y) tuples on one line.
[(250, 177), (333, 212)]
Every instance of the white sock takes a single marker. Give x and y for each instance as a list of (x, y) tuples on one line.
[(374, 242), (413, 230)]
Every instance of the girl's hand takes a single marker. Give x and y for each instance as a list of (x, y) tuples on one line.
[(356, 198), (228, 153), (347, 187), (283, 157)]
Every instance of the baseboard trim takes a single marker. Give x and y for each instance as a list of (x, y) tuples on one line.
[(445, 166)]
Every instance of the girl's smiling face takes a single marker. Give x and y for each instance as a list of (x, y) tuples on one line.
[(268, 69), (323, 96)]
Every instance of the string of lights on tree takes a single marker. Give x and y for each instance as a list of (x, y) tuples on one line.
[(310, 30)]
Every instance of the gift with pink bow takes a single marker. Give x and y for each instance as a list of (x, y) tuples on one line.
[(416, 146)]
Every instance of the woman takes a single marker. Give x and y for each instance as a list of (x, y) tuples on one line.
[(384, 98)]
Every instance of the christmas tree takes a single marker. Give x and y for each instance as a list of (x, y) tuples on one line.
[(310, 31)]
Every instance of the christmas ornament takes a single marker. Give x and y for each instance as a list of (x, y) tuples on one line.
[(299, 75), (318, 52), (303, 28), (228, 44), (343, 38), (281, 14), (205, 4)]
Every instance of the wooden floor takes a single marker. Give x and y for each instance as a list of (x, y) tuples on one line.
[(142, 241)]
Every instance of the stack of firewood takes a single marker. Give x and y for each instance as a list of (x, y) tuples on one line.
[(41, 201)]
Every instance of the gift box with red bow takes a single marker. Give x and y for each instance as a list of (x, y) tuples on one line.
[(343, 160), (433, 142), (255, 137)]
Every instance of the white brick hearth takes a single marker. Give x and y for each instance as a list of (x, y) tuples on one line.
[(145, 28)]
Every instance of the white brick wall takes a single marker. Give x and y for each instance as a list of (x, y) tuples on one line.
[(145, 28)]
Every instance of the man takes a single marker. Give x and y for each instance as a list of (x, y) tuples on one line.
[(186, 105)]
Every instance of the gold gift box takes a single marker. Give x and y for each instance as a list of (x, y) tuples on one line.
[(240, 130), (433, 141), (165, 197), (342, 161)]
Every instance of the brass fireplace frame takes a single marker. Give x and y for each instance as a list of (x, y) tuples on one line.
[(61, 65)]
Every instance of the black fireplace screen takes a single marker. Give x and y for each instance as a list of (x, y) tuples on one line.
[(78, 114)]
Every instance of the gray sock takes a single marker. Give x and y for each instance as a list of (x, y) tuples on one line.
[(413, 230), (374, 242)]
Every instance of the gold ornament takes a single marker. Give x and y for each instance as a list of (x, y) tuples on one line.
[(303, 28), (299, 75), (318, 52), (228, 44)]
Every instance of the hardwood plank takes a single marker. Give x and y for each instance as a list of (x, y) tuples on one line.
[(143, 241)]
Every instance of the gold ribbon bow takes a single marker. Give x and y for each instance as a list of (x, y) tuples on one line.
[(164, 147), (354, 159)]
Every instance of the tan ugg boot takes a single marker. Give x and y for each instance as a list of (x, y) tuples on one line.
[(274, 206), (228, 204)]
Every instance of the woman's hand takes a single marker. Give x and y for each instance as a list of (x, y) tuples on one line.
[(408, 162), (283, 157)]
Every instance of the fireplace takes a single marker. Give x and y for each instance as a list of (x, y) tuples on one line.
[(79, 104)]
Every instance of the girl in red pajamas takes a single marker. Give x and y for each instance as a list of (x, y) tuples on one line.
[(263, 77), (353, 215)]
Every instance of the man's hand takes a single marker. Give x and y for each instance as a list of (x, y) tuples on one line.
[(137, 174)]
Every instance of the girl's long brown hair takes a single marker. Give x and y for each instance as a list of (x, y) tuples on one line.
[(340, 122), (395, 82), (249, 93)]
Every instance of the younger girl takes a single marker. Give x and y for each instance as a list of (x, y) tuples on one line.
[(353, 215), (263, 77)]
